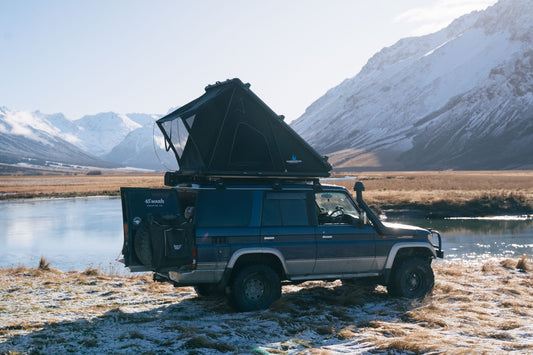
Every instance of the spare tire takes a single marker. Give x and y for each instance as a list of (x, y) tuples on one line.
[(142, 243)]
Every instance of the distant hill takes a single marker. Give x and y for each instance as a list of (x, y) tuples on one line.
[(460, 98)]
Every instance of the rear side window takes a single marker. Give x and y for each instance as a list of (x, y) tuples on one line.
[(285, 209), (223, 208)]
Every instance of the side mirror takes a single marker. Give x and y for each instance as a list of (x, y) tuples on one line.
[(363, 219)]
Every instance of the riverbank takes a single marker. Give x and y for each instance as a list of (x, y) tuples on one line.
[(474, 308), (428, 194)]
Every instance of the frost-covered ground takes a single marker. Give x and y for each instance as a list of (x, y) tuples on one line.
[(473, 309)]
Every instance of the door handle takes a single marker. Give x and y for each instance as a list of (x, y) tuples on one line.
[(327, 237), (269, 238)]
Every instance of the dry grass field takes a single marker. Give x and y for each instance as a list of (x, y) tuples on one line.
[(483, 308), (46, 186), (475, 192)]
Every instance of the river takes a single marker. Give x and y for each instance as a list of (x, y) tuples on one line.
[(78, 233), (72, 234)]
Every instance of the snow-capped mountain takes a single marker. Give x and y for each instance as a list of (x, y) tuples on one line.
[(144, 148), (461, 98), (102, 140), (98, 134), (36, 139)]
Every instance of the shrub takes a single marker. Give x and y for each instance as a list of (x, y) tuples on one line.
[(91, 271), (522, 264), (44, 265)]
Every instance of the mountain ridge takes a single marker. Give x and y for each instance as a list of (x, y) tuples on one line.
[(391, 114)]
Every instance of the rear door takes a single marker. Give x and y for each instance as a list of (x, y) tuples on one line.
[(224, 223), (288, 226)]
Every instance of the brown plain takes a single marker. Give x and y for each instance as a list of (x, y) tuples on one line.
[(45, 186), (382, 188), (427, 187)]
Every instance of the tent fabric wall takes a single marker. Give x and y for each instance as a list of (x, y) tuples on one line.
[(231, 132)]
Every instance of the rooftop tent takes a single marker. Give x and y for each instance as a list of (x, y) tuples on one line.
[(229, 131)]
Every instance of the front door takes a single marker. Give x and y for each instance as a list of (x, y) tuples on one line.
[(344, 245)]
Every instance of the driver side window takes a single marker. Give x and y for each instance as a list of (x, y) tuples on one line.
[(335, 207)]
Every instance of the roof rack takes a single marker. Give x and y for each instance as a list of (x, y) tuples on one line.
[(175, 178)]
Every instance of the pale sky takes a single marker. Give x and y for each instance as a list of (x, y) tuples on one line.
[(90, 56)]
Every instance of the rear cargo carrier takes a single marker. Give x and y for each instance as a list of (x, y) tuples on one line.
[(230, 132)]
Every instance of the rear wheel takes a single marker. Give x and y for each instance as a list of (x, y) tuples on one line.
[(255, 287), (412, 278)]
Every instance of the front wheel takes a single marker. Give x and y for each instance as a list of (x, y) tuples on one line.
[(255, 287), (412, 278)]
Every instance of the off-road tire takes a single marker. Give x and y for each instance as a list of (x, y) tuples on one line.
[(412, 278), (255, 287), (208, 290), (143, 245)]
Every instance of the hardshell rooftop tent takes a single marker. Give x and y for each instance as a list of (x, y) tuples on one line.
[(229, 131)]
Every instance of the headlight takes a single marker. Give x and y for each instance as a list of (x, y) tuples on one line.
[(430, 238)]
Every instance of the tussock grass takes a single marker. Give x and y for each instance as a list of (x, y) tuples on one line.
[(325, 330), (91, 271), (44, 265), (418, 342), (268, 351), (89, 342), (523, 264), (201, 341), (508, 263), (346, 333)]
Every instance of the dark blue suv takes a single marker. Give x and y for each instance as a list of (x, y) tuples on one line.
[(243, 239)]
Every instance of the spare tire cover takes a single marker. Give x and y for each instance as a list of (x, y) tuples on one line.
[(143, 244)]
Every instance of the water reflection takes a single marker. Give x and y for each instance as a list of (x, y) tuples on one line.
[(470, 238)]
